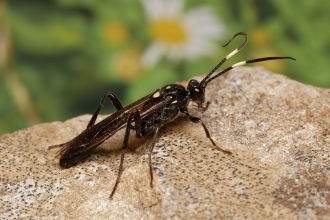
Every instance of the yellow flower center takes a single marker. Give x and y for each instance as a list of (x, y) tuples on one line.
[(115, 33), (260, 37), (128, 64), (169, 31)]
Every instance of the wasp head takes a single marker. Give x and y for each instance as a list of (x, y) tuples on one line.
[(196, 92)]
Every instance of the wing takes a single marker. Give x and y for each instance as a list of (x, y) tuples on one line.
[(81, 146)]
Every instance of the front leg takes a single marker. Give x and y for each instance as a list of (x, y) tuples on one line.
[(198, 120), (204, 108)]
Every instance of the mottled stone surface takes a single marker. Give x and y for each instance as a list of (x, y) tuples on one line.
[(277, 129)]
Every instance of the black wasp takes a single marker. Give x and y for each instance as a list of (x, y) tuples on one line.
[(148, 113)]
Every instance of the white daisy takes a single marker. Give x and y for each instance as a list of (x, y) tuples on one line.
[(179, 35)]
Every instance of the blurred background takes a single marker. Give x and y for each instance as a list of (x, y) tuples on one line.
[(58, 58)]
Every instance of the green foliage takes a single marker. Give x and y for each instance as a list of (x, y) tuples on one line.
[(67, 54)]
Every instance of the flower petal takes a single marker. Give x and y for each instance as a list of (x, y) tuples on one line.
[(152, 54), (201, 21), (201, 27)]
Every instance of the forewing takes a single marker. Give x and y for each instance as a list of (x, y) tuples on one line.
[(92, 137)]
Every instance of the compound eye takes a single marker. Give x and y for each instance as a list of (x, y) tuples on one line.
[(197, 90)]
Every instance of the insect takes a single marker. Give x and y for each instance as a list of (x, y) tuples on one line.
[(147, 114)]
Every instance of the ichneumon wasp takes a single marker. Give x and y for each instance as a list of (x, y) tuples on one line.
[(148, 113)]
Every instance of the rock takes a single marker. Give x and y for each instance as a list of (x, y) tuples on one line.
[(277, 129)]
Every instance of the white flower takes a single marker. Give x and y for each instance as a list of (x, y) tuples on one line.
[(177, 35)]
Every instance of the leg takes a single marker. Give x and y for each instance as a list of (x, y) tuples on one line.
[(141, 131), (198, 120), (150, 151), (55, 146), (124, 146), (114, 101), (204, 108)]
